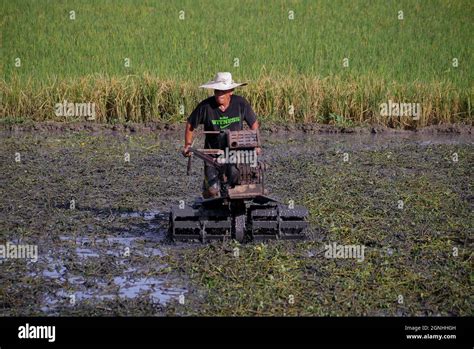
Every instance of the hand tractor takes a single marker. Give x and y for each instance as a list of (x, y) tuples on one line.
[(243, 211)]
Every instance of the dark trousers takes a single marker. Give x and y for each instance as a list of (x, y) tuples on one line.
[(211, 176)]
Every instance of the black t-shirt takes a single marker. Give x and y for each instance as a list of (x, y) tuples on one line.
[(213, 119)]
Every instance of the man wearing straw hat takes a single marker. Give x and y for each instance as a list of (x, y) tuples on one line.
[(222, 111)]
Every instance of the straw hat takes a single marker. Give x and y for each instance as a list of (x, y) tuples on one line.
[(222, 81)]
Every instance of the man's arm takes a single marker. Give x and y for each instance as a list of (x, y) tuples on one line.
[(251, 120), (188, 138), (255, 126)]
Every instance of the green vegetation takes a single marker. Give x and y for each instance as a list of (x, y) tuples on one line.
[(295, 62)]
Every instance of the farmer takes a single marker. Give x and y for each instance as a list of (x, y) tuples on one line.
[(222, 111)]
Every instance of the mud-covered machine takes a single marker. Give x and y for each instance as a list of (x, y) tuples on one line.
[(242, 211)]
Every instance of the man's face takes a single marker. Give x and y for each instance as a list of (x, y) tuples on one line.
[(223, 97)]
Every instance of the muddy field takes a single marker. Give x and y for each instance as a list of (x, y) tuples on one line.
[(99, 222)]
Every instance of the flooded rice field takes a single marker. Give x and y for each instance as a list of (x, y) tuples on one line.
[(95, 207)]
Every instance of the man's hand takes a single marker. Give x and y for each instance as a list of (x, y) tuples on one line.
[(258, 150), (185, 151)]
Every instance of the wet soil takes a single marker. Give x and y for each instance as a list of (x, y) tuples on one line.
[(95, 202)]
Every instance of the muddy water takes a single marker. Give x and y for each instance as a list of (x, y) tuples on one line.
[(133, 281), (110, 244)]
